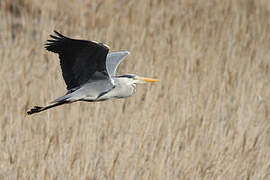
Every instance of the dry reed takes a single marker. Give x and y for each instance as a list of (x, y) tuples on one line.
[(208, 118)]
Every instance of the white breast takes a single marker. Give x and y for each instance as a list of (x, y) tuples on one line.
[(123, 89)]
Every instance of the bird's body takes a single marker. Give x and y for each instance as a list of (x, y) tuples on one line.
[(100, 90), (89, 72), (124, 88)]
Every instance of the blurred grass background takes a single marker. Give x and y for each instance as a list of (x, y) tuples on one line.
[(208, 118)]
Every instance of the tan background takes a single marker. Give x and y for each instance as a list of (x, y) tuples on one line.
[(208, 118)]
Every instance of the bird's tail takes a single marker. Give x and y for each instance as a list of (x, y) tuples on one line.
[(38, 109)]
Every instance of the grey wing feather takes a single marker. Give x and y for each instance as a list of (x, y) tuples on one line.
[(113, 60)]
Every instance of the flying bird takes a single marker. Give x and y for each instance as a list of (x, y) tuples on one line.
[(89, 71)]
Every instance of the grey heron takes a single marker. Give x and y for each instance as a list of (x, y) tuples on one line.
[(89, 71)]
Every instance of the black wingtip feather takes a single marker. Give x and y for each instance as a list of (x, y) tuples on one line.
[(51, 41), (55, 37), (56, 43), (57, 33)]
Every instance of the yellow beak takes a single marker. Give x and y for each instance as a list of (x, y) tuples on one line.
[(148, 79)]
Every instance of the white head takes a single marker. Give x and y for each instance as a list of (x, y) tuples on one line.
[(134, 79), (125, 85)]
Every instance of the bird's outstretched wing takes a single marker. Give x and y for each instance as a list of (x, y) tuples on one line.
[(80, 60), (113, 60)]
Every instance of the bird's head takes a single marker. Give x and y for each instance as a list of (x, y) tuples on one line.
[(134, 79)]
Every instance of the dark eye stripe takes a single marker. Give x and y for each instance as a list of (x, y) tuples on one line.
[(126, 76)]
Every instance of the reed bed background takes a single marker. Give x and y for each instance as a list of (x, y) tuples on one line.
[(208, 117)]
